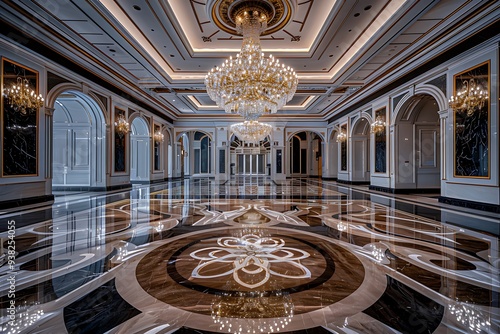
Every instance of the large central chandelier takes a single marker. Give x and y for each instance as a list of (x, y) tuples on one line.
[(251, 131), (21, 97), (471, 97), (250, 84)]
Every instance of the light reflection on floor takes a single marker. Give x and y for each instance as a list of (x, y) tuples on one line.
[(245, 257)]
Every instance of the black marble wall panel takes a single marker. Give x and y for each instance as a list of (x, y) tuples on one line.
[(343, 155), (120, 153), (157, 150), (120, 145), (222, 161), (19, 129), (381, 146), (472, 128), (278, 161)]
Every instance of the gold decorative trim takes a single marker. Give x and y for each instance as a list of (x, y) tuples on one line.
[(37, 132)]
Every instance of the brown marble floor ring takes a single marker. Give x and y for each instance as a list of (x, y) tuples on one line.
[(331, 284)]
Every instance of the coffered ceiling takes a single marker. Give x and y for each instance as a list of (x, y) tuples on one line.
[(163, 49)]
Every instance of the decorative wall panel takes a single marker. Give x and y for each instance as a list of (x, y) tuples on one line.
[(19, 130), (120, 146), (343, 152), (381, 145), (471, 128)]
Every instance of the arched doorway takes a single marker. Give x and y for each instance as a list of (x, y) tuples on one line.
[(360, 151), (333, 156), (249, 158), (305, 154), (79, 143), (417, 142), (140, 153)]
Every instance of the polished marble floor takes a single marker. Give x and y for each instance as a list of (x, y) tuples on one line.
[(249, 256)]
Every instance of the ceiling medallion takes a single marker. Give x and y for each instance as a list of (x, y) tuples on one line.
[(224, 12), (251, 85)]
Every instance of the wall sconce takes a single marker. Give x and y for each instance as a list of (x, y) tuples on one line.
[(341, 137), (184, 153), (158, 137), (378, 126), (471, 97), (121, 125), (21, 97)]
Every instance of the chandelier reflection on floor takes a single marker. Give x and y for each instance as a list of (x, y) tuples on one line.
[(251, 131), (471, 97), (250, 84), (21, 97), (252, 312)]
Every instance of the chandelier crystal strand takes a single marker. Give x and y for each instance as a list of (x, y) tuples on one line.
[(470, 98), (21, 97), (341, 137), (158, 137), (121, 125), (251, 131), (378, 126), (250, 84)]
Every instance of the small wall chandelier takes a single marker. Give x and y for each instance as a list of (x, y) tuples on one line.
[(341, 137), (251, 85), (158, 137), (251, 131), (378, 126), (21, 97), (122, 127), (471, 97)]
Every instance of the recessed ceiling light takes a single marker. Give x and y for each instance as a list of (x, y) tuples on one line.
[(356, 15), (368, 7), (112, 50), (173, 100), (172, 56), (152, 30), (136, 7)]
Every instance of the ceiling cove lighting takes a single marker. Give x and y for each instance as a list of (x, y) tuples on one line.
[(250, 84)]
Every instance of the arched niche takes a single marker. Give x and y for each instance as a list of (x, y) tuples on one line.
[(140, 157), (79, 142), (305, 153), (360, 150), (417, 143), (250, 158)]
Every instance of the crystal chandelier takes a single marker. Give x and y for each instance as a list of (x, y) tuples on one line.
[(158, 137), (21, 97), (471, 97), (121, 125), (341, 137), (250, 84), (251, 131), (378, 126)]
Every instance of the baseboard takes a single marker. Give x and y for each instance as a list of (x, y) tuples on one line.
[(404, 191), (13, 203), (470, 204), (353, 182), (78, 188), (329, 178)]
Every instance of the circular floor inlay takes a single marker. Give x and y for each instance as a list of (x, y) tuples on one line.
[(246, 267)]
